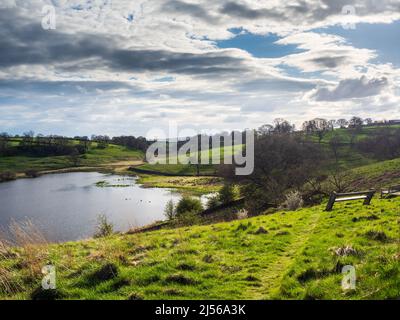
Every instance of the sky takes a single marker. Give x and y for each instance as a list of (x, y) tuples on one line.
[(131, 67)]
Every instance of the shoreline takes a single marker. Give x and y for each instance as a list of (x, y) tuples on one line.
[(120, 167), (188, 185)]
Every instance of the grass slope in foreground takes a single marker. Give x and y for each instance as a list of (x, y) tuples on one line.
[(289, 255)]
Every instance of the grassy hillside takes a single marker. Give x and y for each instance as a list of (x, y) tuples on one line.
[(346, 134), (377, 175), (283, 255), (94, 157), (349, 156), (191, 169)]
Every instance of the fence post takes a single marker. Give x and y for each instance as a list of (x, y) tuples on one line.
[(368, 199), (331, 201)]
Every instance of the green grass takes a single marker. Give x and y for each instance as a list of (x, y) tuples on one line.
[(189, 185), (191, 169), (94, 157), (349, 156), (377, 175), (346, 134), (294, 260), (178, 169)]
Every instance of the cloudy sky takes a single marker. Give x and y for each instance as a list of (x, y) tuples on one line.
[(126, 67)]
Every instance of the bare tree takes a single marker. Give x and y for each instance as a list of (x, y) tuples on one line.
[(334, 143), (332, 124), (282, 126), (74, 157), (342, 123), (368, 121), (338, 179), (355, 126), (316, 126), (265, 129), (355, 122), (4, 142)]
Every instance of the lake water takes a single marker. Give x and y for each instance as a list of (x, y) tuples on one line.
[(66, 206)]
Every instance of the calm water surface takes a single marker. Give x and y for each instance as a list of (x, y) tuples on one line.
[(65, 206)]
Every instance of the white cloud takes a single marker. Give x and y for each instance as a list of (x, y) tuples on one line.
[(352, 88), (97, 68)]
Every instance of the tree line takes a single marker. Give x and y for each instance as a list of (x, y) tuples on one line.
[(55, 145)]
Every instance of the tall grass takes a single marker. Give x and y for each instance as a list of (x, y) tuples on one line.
[(30, 244), (7, 284)]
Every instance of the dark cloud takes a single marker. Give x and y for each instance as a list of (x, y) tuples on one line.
[(29, 44), (242, 11), (275, 84), (329, 62), (352, 88), (301, 12), (194, 10), (67, 87)]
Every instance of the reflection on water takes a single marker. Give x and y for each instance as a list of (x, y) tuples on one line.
[(65, 206)]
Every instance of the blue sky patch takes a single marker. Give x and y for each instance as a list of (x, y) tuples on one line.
[(383, 38), (164, 79), (259, 46)]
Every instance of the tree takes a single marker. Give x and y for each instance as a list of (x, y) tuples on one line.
[(226, 194), (342, 123), (169, 210), (188, 205), (28, 138), (4, 143), (334, 143), (338, 179), (383, 145), (355, 126), (282, 126), (309, 127), (368, 121), (332, 124), (102, 141), (318, 126), (213, 202), (265, 129), (282, 162), (355, 122), (84, 142), (74, 157)]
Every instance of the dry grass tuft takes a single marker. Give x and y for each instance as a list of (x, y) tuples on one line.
[(8, 283), (32, 245)]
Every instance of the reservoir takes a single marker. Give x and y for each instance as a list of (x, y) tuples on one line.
[(65, 206)]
